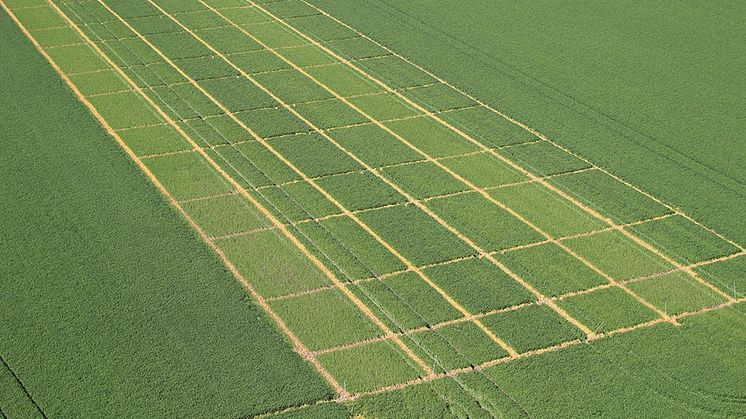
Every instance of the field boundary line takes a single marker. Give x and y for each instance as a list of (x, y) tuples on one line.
[(297, 344), (340, 285), (326, 194), (4, 363), (516, 166), (521, 124)]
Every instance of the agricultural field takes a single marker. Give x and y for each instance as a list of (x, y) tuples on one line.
[(340, 220)]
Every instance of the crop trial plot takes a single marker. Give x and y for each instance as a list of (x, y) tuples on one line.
[(404, 236)]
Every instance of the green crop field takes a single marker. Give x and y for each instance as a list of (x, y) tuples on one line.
[(326, 208)]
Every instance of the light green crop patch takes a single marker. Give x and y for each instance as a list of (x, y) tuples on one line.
[(155, 139), (360, 190), (258, 61), (274, 35), (683, 240), (314, 155), (344, 80), (431, 137), (610, 197), (455, 346), (374, 145), (99, 82), (395, 72), (125, 110), (322, 28), (676, 292), (356, 48), (272, 122), (543, 158), (423, 180), (187, 176), (291, 86), (489, 226), (551, 270), (56, 36), (415, 235), (484, 170), (547, 210), (325, 319), (350, 250), (487, 127), (384, 106), (617, 255), (608, 309), (532, 327), (77, 59), (352, 367), (406, 301), (33, 18), (298, 201), (330, 113), (271, 264), (307, 55), (727, 275), (479, 285), (225, 215), (439, 97), (239, 14)]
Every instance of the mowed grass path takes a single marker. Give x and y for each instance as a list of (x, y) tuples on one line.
[(396, 230), (110, 305)]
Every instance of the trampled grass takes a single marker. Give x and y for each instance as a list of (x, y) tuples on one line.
[(346, 185)]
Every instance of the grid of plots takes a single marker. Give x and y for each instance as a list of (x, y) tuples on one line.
[(398, 229)]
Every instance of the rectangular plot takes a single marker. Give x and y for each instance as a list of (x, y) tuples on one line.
[(151, 25), (229, 129), (272, 122), (187, 176), (543, 159), (395, 72), (154, 140), (34, 18), (406, 302), (431, 137), (258, 61), (159, 74), (609, 196), (676, 293), (456, 346), (322, 28), (297, 201), (178, 45), (531, 328), (551, 270), (237, 94), (727, 275), (370, 366), (291, 86), (488, 225), (439, 97), (607, 309), (228, 40), (77, 59), (186, 101), (307, 55), (423, 180), (274, 35), (314, 155), (124, 110), (356, 48), (271, 263), (325, 319), (343, 80), (683, 240), (374, 145), (130, 51), (201, 19), (244, 15), (350, 250), (129, 9), (478, 285), (547, 210), (181, 6), (205, 68), (618, 255), (99, 82), (484, 170), (488, 128), (224, 215), (416, 236), (290, 8), (254, 165), (360, 190), (203, 132), (329, 113), (383, 106), (56, 36)]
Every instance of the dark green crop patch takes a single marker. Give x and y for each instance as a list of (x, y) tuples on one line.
[(360, 190), (457, 345), (374, 145), (532, 327), (423, 180), (608, 309), (314, 155), (543, 159), (431, 137)]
